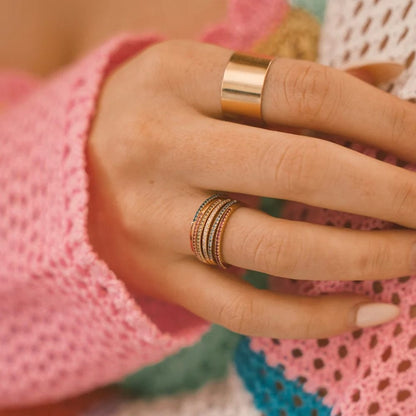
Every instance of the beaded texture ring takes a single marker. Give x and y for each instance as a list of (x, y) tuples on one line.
[(207, 228)]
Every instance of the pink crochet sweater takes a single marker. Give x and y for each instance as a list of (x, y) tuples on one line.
[(63, 312)]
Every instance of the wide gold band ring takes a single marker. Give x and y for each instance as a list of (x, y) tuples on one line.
[(243, 84)]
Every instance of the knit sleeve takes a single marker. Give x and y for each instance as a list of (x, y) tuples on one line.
[(67, 323)]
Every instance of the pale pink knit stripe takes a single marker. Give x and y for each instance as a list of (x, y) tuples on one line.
[(246, 22), (67, 324)]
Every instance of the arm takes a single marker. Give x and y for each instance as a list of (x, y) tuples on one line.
[(67, 324)]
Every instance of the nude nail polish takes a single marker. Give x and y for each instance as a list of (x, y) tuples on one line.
[(371, 314)]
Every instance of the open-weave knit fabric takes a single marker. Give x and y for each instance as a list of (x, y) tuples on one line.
[(63, 313), (67, 324), (224, 398), (371, 371), (370, 31)]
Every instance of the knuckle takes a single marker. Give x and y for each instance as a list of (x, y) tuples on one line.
[(375, 260), (272, 251), (309, 324), (152, 62), (296, 169), (404, 199), (132, 226), (312, 90), (156, 60), (168, 61), (399, 121), (237, 314)]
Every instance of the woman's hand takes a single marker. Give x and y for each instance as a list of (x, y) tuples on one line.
[(159, 147)]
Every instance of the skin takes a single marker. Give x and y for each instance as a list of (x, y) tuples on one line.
[(43, 35), (159, 146)]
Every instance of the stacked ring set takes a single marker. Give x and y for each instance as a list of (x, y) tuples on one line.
[(207, 228)]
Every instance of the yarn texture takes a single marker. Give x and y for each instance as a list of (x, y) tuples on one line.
[(63, 312), (369, 371)]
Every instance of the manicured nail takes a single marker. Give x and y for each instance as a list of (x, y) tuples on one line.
[(370, 314)]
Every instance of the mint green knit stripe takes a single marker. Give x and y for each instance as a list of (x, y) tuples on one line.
[(187, 370), (316, 7)]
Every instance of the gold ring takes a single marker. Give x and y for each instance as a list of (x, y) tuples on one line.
[(207, 228), (243, 84)]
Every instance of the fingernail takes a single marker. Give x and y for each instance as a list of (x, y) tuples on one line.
[(379, 72), (370, 314)]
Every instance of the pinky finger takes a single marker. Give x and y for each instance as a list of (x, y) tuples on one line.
[(225, 299)]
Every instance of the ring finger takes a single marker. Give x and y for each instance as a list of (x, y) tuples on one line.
[(256, 241)]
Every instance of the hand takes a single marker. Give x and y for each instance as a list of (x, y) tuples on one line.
[(158, 148)]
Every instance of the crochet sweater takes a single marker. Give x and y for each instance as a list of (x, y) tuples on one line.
[(63, 312)]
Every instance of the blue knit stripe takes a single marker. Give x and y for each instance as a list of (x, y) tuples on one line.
[(274, 395)]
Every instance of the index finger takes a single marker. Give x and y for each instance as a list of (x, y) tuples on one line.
[(304, 94)]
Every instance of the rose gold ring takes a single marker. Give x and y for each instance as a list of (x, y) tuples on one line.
[(207, 228), (243, 84)]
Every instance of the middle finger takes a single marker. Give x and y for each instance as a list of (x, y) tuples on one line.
[(232, 157)]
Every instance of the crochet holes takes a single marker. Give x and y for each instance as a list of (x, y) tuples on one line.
[(373, 408), (384, 42), (302, 380), (386, 354), (407, 9), (357, 334), (318, 363), (377, 287), (358, 8), (397, 330), (322, 392), (403, 35), (342, 351), (279, 386), (323, 342), (403, 395), (412, 343), (383, 384), (297, 401), (347, 56), (373, 341), (348, 35), (412, 312), (364, 49), (386, 17), (366, 26), (395, 298), (297, 353), (410, 59), (404, 366)]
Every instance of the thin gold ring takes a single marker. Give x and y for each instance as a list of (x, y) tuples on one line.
[(207, 228)]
